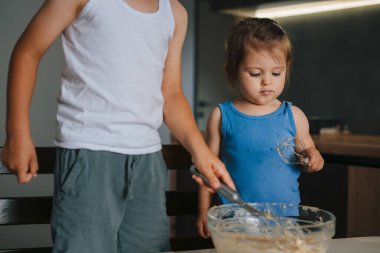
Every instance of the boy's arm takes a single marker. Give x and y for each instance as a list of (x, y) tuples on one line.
[(54, 16), (178, 115), (302, 125)]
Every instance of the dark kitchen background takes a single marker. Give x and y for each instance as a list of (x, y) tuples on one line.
[(335, 80)]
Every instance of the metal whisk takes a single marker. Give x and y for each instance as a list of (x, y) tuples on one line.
[(293, 151), (231, 195)]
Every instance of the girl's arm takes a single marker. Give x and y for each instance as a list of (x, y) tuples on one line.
[(302, 125), (213, 141), (54, 16), (178, 115), (204, 203)]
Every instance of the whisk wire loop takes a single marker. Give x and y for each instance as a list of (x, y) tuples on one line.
[(293, 151)]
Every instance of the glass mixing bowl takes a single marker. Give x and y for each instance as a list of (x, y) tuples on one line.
[(285, 228)]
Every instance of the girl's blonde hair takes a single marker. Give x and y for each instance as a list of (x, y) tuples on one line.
[(256, 34)]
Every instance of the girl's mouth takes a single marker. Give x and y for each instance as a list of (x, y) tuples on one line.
[(266, 92)]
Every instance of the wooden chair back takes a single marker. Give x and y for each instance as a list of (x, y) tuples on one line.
[(37, 210)]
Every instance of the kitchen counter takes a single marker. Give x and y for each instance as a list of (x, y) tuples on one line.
[(346, 245), (353, 144), (350, 181), (355, 245), (353, 149)]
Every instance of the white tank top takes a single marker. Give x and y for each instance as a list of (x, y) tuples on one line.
[(111, 95)]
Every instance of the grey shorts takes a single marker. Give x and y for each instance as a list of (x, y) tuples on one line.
[(109, 203)]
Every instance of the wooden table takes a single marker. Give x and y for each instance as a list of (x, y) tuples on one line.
[(347, 245)]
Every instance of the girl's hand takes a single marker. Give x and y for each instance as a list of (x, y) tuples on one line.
[(202, 225), (316, 160)]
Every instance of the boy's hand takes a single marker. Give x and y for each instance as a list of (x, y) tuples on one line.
[(202, 225), (20, 157), (213, 169), (316, 161)]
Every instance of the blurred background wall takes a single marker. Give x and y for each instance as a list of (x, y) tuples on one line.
[(336, 65)]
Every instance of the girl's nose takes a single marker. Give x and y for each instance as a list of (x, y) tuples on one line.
[(266, 80)]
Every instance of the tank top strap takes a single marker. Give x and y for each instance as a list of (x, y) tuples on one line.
[(166, 10), (289, 113), (225, 109)]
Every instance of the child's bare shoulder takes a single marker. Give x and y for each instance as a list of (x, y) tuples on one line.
[(179, 10)]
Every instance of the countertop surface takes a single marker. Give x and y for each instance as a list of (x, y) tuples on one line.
[(346, 245), (350, 145), (356, 244)]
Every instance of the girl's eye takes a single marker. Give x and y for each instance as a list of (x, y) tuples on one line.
[(254, 74), (276, 74)]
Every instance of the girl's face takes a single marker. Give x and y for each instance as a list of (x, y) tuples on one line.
[(262, 76)]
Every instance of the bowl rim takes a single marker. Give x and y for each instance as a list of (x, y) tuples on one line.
[(323, 223)]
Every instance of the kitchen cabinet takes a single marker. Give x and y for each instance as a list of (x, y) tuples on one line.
[(349, 184)]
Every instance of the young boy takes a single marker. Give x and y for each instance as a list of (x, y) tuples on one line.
[(122, 78)]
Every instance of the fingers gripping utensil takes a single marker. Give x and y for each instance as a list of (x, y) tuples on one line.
[(293, 151), (228, 193), (4, 169)]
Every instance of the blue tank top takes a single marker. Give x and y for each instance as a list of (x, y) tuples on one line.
[(248, 149)]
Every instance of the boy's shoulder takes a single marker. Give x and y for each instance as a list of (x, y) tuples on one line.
[(179, 11), (177, 6)]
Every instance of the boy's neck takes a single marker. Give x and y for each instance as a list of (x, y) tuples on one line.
[(148, 6)]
